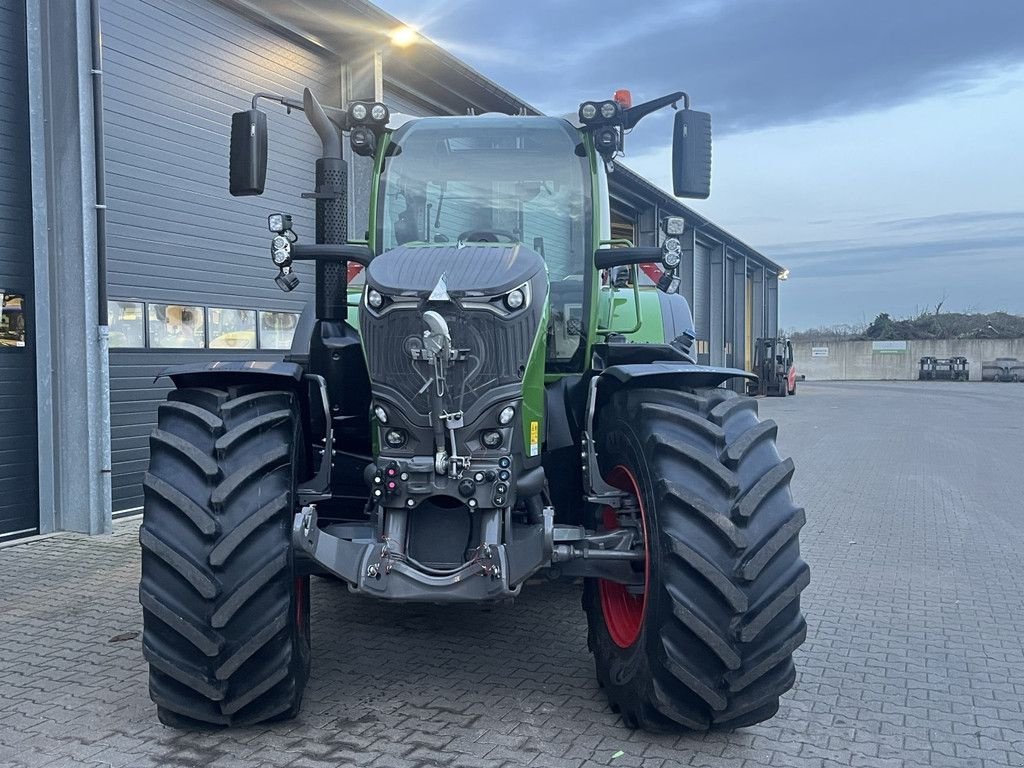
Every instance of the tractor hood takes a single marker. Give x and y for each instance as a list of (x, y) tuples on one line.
[(472, 270)]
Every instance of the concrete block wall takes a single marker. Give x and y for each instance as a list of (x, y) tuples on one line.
[(858, 360)]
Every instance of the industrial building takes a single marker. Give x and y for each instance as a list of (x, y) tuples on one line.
[(114, 127)]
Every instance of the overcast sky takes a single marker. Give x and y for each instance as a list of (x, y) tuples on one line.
[(876, 148)]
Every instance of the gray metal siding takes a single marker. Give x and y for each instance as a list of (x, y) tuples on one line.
[(174, 71), (19, 477), (405, 105)]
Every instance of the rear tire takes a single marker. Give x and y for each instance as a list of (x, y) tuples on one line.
[(720, 616), (225, 617)]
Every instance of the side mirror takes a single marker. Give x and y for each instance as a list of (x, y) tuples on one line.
[(248, 170), (691, 154)]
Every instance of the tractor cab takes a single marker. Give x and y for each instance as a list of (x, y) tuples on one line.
[(491, 183)]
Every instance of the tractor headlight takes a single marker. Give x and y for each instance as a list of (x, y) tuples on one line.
[(491, 438), (506, 415), (358, 112), (395, 438), (279, 223), (380, 413), (379, 113), (608, 110), (515, 298), (675, 225), (281, 251), (673, 253), (588, 111), (374, 299)]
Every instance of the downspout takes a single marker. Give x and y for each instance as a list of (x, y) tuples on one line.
[(97, 132), (102, 319)]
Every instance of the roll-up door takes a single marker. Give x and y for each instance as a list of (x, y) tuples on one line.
[(19, 476), (701, 300), (189, 269)]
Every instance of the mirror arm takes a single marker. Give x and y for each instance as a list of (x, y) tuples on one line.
[(289, 103), (634, 115), (360, 254), (606, 258)]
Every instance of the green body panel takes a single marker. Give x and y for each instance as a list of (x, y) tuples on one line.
[(600, 206), (620, 305), (378, 167), (533, 390)]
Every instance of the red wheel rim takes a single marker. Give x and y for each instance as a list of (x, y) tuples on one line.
[(624, 611)]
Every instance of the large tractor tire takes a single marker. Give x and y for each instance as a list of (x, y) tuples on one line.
[(225, 617), (708, 642)]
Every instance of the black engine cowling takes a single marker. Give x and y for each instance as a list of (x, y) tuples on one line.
[(448, 334), (468, 287)]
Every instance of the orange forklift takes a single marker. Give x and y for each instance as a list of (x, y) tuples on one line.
[(773, 364)]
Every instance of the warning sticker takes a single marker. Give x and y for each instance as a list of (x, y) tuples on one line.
[(534, 438)]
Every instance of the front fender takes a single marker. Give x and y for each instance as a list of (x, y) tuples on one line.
[(234, 372), (670, 374), (666, 375)]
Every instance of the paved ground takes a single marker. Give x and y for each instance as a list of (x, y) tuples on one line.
[(915, 657)]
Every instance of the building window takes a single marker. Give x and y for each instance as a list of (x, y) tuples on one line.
[(277, 329), (703, 347), (12, 320), (176, 326), (127, 320), (231, 328)]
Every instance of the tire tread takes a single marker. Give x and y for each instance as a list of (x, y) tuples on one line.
[(722, 625), (217, 588)]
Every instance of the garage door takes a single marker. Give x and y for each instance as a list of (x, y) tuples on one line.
[(189, 270), (702, 301), (19, 477)]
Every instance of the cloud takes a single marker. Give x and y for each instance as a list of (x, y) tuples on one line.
[(753, 63), (838, 258), (988, 218), (871, 146)]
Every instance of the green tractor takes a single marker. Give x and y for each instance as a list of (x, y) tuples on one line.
[(486, 389)]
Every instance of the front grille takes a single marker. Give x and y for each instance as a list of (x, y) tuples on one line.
[(498, 352)]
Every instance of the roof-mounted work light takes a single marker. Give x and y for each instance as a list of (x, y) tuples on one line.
[(600, 112), (368, 119), (368, 113)]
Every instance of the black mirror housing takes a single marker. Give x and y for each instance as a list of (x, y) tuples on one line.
[(248, 166), (691, 154)]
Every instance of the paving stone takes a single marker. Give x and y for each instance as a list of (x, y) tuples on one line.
[(914, 656)]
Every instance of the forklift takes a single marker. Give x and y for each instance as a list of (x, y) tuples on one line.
[(773, 364)]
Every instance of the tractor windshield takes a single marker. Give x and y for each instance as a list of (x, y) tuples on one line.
[(495, 179)]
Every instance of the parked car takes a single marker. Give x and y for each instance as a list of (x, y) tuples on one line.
[(1002, 369)]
